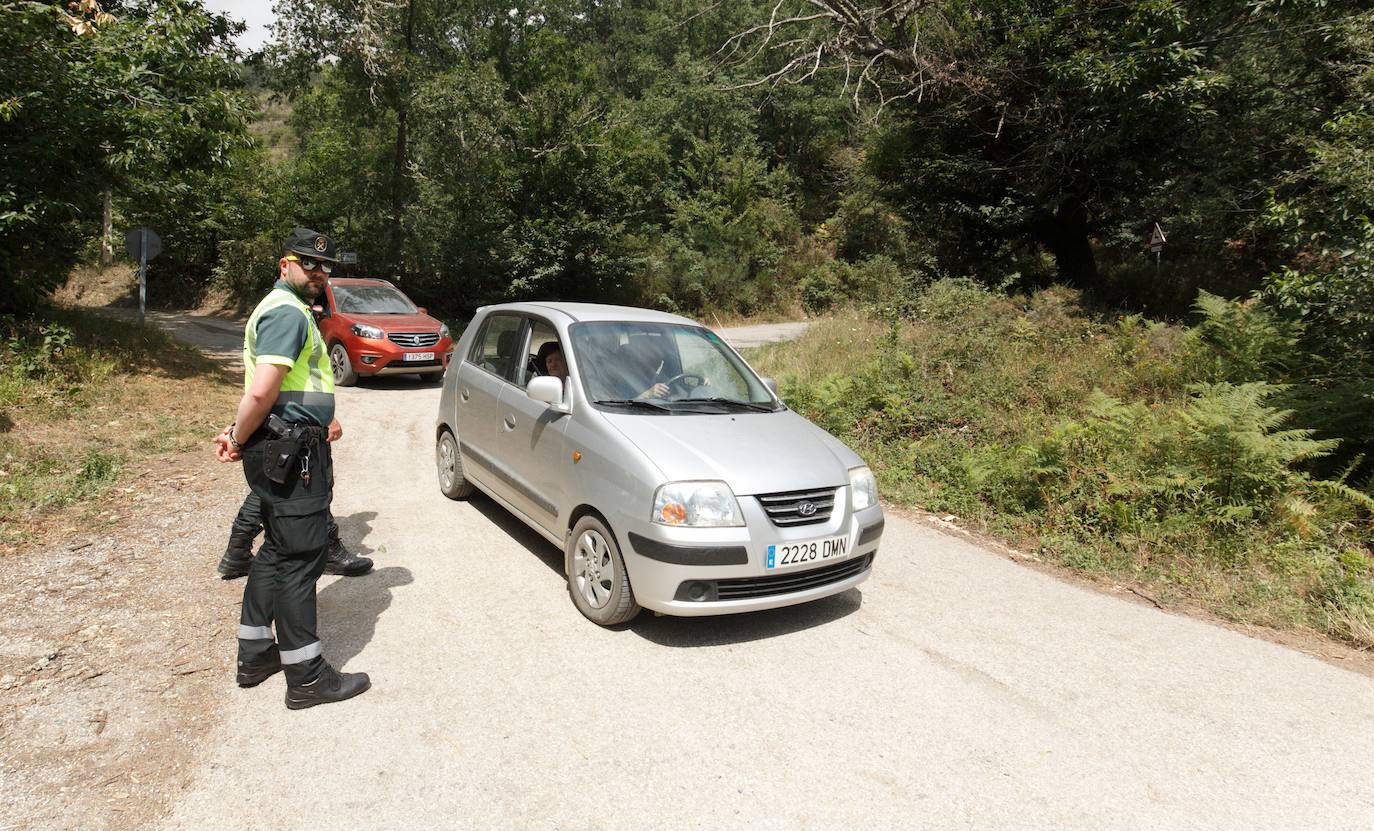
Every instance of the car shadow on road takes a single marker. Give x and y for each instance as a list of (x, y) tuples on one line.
[(723, 630), (353, 531), (350, 607), (400, 382), (548, 553), (717, 630)]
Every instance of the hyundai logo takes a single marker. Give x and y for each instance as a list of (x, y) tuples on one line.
[(806, 509)]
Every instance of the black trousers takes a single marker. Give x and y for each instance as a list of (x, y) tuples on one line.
[(248, 524), (281, 584)]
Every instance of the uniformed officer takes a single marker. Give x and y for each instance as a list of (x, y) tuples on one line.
[(238, 554), (281, 435)]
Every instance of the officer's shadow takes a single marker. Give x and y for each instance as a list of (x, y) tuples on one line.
[(353, 531), (349, 608)]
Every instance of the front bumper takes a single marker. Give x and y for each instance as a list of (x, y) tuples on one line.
[(382, 357), (713, 571)]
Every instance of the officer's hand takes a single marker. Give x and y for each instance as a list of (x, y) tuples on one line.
[(224, 451), (335, 430)]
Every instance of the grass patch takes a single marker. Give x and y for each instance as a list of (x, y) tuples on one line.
[(85, 401), (1111, 446)]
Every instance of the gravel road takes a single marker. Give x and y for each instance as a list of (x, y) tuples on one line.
[(953, 689)]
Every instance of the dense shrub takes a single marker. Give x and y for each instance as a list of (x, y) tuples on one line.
[(1119, 446)]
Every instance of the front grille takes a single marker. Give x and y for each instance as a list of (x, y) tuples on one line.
[(412, 340), (788, 509), (744, 588)]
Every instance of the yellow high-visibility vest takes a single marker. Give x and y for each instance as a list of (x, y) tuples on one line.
[(311, 379)]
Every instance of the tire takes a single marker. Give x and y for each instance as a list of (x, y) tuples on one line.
[(598, 583), (339, 361), (450, 463)]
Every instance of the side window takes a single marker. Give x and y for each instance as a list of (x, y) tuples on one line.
[(497, 348), (543, 340)]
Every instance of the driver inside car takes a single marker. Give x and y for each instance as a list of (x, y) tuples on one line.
[(549, 361), (629, 372), (640, 369)]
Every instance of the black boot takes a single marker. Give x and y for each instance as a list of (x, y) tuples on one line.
[(331, 686), (253, 674), (340, 560), (236, 562)]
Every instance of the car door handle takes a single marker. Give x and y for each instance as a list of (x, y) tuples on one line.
[(509, 421), (464, 394)]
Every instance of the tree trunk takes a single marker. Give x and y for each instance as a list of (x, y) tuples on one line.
[(1066, 235), (397, 190), (107, 231), (398, 169)]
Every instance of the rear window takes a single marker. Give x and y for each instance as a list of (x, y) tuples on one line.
[(497, 348)]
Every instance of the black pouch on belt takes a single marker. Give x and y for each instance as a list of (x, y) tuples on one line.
[(277, 459)]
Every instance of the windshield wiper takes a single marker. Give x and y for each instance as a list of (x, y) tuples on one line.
[(759, 408), (631, 402)]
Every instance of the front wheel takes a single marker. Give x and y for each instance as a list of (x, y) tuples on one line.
[(344, 375), (452, 483), (599, 585)]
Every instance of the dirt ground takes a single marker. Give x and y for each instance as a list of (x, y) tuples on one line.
[(116, 651)]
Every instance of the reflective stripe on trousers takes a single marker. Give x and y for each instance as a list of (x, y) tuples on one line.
[(300, 656), (255, 633)]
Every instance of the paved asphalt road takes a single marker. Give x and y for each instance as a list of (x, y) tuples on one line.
[(953, 689)]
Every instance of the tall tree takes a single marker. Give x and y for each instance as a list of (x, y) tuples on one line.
[(90, 99), (1060, 124)]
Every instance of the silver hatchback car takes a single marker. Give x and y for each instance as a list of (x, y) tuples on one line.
[(646, 448)]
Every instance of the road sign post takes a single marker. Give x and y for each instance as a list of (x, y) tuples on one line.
[(144, 244), (1157, 243)]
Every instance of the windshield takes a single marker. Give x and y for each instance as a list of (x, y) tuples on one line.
[(372, 300), (664, 368)]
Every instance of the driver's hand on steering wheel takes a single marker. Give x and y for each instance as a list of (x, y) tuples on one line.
[(659, 390)]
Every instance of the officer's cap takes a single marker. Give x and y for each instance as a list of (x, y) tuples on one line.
[(308, 243)]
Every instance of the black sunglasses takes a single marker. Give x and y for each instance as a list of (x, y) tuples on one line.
[(311, 265)]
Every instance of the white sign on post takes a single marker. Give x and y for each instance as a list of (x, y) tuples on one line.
[(143, 244), (1157, 239), (1157, 243)]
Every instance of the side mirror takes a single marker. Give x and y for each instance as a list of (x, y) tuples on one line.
[(422, 310), (772, 387), (548, 389)]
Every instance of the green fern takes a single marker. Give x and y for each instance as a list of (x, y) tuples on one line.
[(1235, 442)]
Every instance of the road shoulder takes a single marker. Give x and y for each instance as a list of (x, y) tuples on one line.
[(1313, 644), (131, 629)]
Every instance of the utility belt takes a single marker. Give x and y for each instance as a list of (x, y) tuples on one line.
[(287, 448)]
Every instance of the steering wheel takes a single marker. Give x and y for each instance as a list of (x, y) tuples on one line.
[(682, 378)]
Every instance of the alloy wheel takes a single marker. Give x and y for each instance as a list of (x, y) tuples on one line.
[(592, 569), (338, 360), (448, 463)]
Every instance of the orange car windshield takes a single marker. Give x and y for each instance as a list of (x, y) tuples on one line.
[(372, 300)]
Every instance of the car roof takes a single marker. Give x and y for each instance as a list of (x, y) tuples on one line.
[(579, 312), (350, 281)]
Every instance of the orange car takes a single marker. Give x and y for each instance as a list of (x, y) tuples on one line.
[(372, 328)]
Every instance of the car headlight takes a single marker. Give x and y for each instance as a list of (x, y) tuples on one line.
[(362, 330), (697, 505), (863, 488), (443, 331)]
